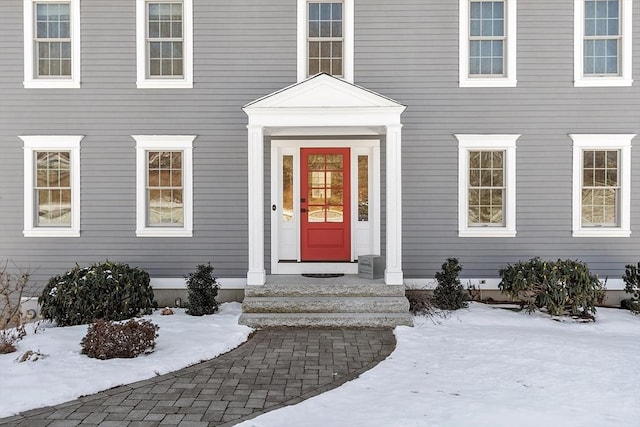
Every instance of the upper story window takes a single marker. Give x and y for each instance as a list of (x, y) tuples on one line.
[(487, 43), (52, 44), (164, 44), (325, 38), (164, 185), (603, 43), (52, 186), (486, 192), (601, 185)]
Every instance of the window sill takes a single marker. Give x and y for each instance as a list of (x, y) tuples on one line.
[(51, 84), (603, 82), (484, 82), (50, 232), (170, 232), (164, 84), (487, 232), (602, 232)]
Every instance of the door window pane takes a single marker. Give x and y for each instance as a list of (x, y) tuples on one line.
[(363, 188), (287, 188)]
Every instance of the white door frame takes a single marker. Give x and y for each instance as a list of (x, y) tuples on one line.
[(369, 231)]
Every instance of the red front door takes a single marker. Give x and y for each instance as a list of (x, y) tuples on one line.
[(324, 204)]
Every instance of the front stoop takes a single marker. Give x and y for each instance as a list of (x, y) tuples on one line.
[(338, 303)]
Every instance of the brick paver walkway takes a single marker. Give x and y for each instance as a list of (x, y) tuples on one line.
[(276, 368)]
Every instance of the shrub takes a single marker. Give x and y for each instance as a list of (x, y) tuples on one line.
[(561, 287), (202, 290), (419, 302), (109, 290), (449, 293), (632, 286), (107, 340)]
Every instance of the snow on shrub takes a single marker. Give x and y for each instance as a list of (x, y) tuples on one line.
[(107, 340), (107, 290)]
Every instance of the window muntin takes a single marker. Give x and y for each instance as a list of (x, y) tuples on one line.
[(51, 185), (325, 38), (601, 185), (164, 185), (602, 37), (487, 38), (600, 188), (165, 39), (52, 190), (487, 185), (487, 43), (165, 205), (53, 40), (486, 188)]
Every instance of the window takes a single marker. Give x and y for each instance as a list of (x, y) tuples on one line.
[(601, 185), (164, 188), (603, 42), (51, 44), (325, 38), (487, 43), (164, 44), (51, 186), (487, 185)]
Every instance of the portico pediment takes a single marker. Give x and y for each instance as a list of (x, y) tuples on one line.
[(326, 93)]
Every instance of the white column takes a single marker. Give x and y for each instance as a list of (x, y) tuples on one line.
[(393, 273), (256, 274)]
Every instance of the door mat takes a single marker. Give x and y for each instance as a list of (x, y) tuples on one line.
[(322, 275)]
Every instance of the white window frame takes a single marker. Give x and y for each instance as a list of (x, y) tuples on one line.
[(145, 143), (626, 51), (30, 79), (509, 79), (348, 36), (143, 81), (492, 142), (622, 143), (33, 144)]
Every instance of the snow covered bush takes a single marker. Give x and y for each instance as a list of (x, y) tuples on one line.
[(563, 287), (108, 290), (202, 290), (107, 340), (632, 286), (449, 294)]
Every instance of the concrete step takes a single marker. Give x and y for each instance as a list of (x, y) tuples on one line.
[(324, 304), (326, 320), (319, 289)]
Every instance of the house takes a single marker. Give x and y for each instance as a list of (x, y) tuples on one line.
[(282, 137)]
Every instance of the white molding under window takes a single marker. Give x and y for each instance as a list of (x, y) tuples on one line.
[(510, 64), (476, 142), (33, 144), (143, 80), (31, 80), (145, 143), (624, 78), (348, 16), (622, 143)]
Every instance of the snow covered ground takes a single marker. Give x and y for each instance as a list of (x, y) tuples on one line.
[(490, 367), (66, 374), (477, 367)]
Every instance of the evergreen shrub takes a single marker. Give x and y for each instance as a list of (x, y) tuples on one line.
[(107, 340), (563, 287), (202, 290), (632, 286), (108, 290), (449, 294)]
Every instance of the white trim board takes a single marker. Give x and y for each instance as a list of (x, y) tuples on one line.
[(426, 284), (180, 283)]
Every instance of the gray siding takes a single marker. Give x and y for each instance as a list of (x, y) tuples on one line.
[(244, 49)]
